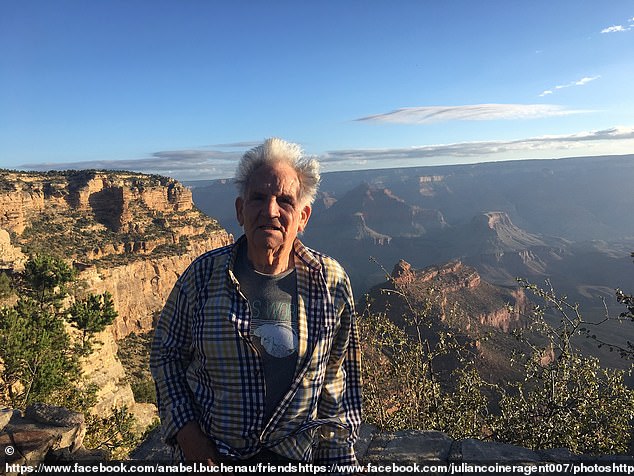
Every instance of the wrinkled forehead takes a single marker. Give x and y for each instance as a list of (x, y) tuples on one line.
[(275, 179)]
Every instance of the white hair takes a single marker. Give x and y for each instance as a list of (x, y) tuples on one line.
[(276, 150)]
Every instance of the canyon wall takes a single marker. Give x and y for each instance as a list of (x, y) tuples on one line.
[(139, 289), (125, 233)]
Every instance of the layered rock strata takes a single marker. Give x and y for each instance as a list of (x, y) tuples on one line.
[(128, 234), (453, 282)]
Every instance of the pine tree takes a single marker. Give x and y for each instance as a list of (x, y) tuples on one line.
[(38, 358)]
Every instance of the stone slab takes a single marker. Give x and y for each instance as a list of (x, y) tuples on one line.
[(410, 446), (26, 446), (476, 451), (71, 437), (53, 415), (366, 434)]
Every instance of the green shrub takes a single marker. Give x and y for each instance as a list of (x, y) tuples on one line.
[(563, 400), (144, 391)]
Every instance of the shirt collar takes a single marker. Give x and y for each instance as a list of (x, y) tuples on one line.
[(303, 255)]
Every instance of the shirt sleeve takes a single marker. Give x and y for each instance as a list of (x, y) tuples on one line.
[(341, 393), (169, 359)]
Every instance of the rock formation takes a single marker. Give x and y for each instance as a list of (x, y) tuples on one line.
[(109, 197), (361, 231), (42, 431), (10, 255), (382, 213), (454, 283), (429, 184), (453, 298), (141, 287), (126, 233)]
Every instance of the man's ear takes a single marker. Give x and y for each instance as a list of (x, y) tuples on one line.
[(303, 217), (239, 214)]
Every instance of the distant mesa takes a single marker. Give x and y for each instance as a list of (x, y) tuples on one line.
[(481, 303), (452, 297), (370, 212), (430, 185)]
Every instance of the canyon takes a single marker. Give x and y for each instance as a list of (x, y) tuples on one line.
[(465, 231), (556, 222)]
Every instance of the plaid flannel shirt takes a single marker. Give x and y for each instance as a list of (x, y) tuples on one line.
[(207, 369)]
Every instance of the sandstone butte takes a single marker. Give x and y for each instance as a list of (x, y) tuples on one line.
[(126, 233)]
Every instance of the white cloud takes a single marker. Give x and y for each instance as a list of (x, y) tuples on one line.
[(193, 164), (475, 112), (580, 82), (619, 28), (586, 80), (482, 150), (182, 164), (614, 29)]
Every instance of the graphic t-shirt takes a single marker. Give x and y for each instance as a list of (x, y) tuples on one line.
[(274, 329)]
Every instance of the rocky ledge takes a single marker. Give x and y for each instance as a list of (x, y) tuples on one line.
[(48, 433), (42, 433), (421, 447)]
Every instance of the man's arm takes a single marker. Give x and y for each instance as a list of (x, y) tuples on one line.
[(341, 394), (169, 360)]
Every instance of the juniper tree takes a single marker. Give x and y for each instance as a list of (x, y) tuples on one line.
[(35, 349), (39, 360)]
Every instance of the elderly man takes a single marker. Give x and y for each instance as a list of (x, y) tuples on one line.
[(255, 355)]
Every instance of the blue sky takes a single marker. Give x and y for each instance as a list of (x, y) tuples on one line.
[(182, 88)]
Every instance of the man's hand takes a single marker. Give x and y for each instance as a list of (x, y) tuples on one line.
[(196, 446)]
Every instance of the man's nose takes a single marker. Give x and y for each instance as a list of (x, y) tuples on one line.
[(272, 207)]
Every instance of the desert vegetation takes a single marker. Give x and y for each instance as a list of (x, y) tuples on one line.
[(562, 397), (50, 327)]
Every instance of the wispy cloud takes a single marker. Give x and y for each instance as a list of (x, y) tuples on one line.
[(614, 29), (483, 150), (238, 145), (619, 28), (474, 112), (183, 164), (193, 164), (579, 82)]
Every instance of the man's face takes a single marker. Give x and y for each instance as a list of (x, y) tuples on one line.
[(271, 213)]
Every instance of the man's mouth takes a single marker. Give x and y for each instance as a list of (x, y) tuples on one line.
[(270, 227)]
